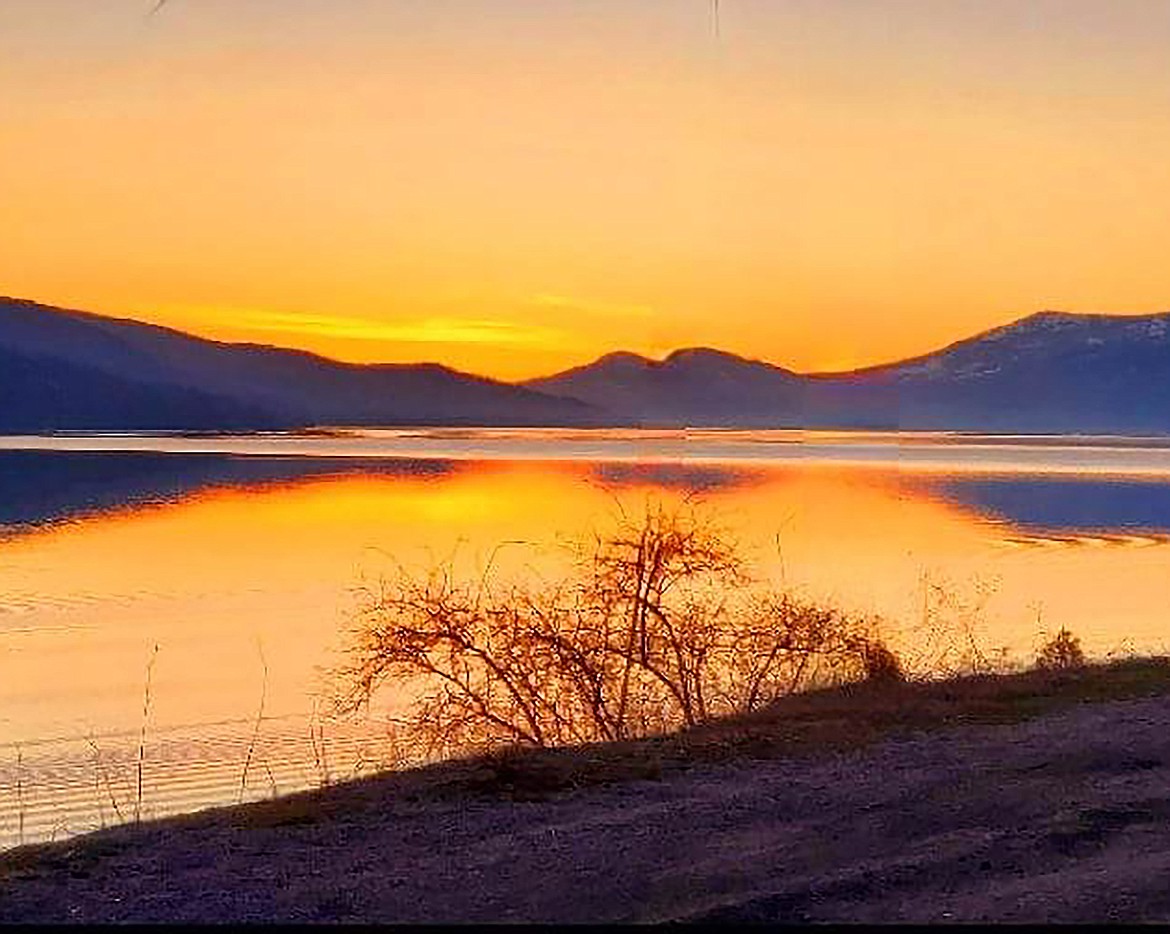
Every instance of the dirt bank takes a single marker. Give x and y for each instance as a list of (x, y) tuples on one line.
[(1064, 817)]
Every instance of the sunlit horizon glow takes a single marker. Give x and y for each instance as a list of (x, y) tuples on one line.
[(512, 188)]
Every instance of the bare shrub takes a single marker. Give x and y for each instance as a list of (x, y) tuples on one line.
[(947, 637), (1061, 653), (658, 626), (882, 666)]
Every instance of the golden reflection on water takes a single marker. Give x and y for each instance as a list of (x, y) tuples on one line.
[(229, 580), (223, 576)]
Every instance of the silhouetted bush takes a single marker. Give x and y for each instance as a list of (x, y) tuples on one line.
[(659, 626), (881, 665), (1061, 653)]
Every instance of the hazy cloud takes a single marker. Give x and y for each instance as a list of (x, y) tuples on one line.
[(589, 307), (442, 330)]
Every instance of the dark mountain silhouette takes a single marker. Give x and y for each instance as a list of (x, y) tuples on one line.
[(1050, 372), (698, 386), (64, 369), (39, 392)]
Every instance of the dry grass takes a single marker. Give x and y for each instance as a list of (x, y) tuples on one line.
[(813, 724), (821, 722)]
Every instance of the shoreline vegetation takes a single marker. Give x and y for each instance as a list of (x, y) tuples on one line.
[(658, 656), (49, 881), (658, 622)]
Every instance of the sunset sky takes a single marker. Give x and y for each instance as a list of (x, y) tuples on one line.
[(516, 186)]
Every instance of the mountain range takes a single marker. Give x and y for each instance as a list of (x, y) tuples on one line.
[(72, 370), (1049, 372)]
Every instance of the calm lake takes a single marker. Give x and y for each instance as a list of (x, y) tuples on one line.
[(221, 572)]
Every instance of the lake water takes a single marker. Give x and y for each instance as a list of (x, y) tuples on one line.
[(222, 572)]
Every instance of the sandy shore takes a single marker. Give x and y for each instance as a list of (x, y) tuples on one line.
[(1061, 818)]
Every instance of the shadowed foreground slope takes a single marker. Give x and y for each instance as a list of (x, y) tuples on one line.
[(851, 804)]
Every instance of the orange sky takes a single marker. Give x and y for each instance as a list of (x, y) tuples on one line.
[(510, 187)]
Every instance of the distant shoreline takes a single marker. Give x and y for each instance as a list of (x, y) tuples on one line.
[(925, 452)]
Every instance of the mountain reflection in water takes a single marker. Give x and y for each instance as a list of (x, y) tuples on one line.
[(39, 487), (1045, 505)]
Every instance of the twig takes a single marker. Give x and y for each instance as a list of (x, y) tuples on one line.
[(142, 734), (99, 769), (324, 755), (271, 781), (20, 794), (259, 719), (317, 739)]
